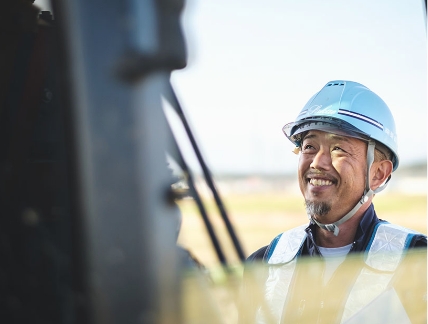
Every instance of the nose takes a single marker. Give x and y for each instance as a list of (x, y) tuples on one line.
[(321, 160)]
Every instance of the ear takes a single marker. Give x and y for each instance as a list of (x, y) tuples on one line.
[(379, 173)]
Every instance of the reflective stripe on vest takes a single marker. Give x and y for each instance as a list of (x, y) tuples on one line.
[(384, 254), (279, 279)]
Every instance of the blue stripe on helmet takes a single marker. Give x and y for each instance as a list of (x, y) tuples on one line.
[(360, 117)]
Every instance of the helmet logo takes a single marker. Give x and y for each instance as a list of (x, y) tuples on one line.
[(318, 109), (314, 109)]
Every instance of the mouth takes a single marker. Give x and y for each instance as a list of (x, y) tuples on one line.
[(318, 181)]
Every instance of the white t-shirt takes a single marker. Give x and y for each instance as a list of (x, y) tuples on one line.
[(333, 258)]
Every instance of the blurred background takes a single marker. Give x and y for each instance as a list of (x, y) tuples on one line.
[(252, 66)]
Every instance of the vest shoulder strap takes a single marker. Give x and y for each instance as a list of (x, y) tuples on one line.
[(387, 246), (286, 246)]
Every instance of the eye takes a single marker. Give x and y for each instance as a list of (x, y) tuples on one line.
[(338, 148), (306, 148)]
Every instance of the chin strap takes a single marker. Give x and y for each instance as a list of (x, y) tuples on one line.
[(368, 193)]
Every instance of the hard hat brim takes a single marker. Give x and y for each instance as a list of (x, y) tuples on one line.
[(294, 130)]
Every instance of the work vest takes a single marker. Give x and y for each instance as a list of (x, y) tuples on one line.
[(384, 253)]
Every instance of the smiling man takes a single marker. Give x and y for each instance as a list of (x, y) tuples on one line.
[(346, 139)]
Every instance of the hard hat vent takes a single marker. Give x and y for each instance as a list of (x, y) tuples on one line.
[(335, 84)]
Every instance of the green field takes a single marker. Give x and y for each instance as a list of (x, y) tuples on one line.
[(258, 218)]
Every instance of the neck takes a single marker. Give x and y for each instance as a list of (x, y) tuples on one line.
[(327, 239), (347, 231)]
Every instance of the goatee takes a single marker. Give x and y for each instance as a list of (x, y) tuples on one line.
[(317, 208)]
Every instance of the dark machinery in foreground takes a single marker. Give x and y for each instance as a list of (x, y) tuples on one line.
[(88, 225)]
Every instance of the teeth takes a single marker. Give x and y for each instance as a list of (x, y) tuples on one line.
[(320, 182)]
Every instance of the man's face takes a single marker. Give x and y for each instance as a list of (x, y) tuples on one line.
[(332, 172)]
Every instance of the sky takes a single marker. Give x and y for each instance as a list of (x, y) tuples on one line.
[(252, 66)]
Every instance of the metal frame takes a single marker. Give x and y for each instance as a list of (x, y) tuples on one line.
[(116, 69)]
